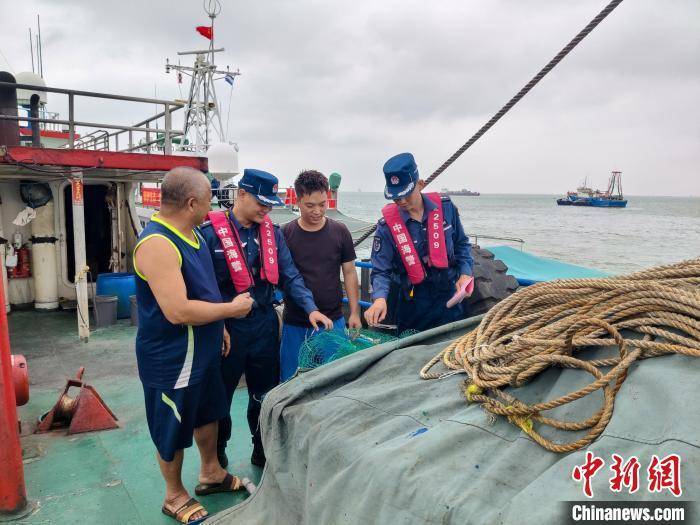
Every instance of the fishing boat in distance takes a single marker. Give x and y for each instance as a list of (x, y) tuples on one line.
[(586, 196), (463, 192)]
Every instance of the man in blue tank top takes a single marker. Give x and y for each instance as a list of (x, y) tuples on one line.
[(180, 339)]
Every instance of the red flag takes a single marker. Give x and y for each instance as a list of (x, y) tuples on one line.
[(206, 31)]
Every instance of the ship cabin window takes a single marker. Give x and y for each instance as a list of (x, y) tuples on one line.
[(98, 230)]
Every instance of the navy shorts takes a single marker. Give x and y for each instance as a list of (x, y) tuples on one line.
[(173, 414)]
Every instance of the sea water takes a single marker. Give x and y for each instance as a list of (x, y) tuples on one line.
[(648, 232)]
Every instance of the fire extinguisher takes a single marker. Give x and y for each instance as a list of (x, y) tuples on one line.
[(23, 268)]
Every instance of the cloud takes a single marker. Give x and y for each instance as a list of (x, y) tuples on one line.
[(341, 86)]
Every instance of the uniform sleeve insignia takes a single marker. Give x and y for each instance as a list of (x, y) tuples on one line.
[(377, 245)]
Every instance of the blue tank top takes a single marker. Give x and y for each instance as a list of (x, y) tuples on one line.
[(173, 356)]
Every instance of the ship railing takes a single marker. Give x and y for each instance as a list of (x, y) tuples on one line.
[(476, 236), (146, 144), (50, 116), (97, 140), (164, 135)]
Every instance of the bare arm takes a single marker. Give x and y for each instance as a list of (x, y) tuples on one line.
[(159, 263), (352, 289)]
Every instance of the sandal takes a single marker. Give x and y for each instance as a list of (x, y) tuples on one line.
[(229, 484), (184, 513)]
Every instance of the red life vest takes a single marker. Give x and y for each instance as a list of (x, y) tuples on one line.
[(437, 248), (234, 255)]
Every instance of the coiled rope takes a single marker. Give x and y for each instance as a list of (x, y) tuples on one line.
[(516, 98), (551, 324)]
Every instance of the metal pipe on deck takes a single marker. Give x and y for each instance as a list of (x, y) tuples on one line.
[(81, 268), (167, 144), (44, 273), (34, 113), (363, 304), (120, 231), (71, 121), (13, 494), (9, 129)]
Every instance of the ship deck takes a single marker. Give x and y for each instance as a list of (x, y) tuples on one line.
[(109, 476)]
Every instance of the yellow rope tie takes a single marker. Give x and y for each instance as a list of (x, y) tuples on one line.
[(472, 390), (647, 314), (525, 423)]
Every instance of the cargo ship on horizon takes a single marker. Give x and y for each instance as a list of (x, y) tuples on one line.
[(463, 192)]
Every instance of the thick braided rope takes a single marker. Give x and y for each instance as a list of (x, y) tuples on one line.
[(553, 323)]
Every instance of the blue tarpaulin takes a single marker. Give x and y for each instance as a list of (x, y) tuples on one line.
[(366, 440), (530, 269)]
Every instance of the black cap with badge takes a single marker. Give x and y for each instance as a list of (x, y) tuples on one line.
[(401, 174), (262, 185)]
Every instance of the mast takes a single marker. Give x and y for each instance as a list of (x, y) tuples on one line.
[(40, 56), (31, 48), (616, 179), (202, 123)]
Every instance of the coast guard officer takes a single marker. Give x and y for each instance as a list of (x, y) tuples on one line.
[(419, 244), (250, 255)]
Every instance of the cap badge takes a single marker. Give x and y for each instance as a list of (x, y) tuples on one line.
[(394, 180)]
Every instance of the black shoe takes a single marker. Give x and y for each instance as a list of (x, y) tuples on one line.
[(223, 458), (258, 457)]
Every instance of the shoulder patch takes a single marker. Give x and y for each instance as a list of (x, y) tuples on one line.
[(377, 244)]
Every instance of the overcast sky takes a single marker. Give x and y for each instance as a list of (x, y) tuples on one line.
[(341, 86)]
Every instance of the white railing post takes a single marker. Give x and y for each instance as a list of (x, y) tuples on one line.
[(71, 120), (81, 268), (168, 145)]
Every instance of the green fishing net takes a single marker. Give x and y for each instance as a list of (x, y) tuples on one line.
[(329, 345)]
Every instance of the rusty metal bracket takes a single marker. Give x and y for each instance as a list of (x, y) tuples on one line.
[(85, 412)]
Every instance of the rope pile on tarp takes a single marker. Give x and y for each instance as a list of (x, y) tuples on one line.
[(648, 314)]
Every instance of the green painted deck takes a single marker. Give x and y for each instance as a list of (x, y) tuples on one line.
[(109, 476)]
